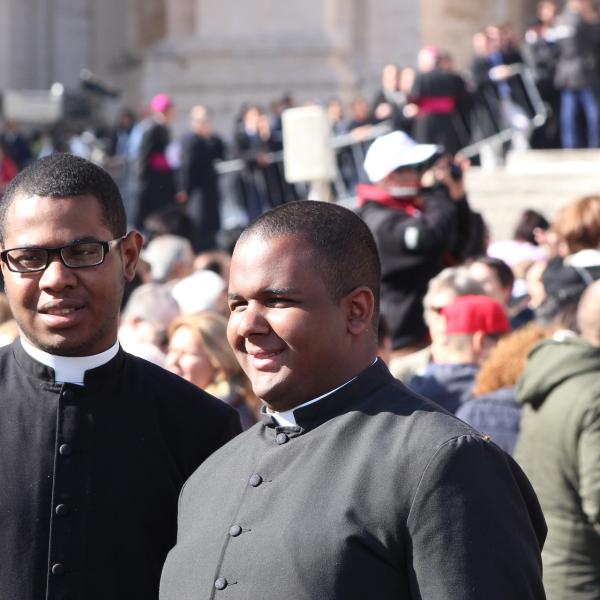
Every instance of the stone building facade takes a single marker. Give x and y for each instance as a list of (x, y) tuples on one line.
[(226, 52)]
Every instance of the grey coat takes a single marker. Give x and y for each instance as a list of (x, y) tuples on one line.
[(377, 493), (577, 66)]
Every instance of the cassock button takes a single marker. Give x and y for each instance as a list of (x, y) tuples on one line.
[(65, 450), (282, 438), (221, 583), (235, 530), (68, 394), (58, 569), (255, 480), (62, 510)]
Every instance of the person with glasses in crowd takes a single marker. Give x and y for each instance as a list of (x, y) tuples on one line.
[(95, 443)]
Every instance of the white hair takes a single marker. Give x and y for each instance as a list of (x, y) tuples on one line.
[(151, 302), (164, 253)]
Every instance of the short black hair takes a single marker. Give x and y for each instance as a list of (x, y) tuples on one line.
[(344, 245), (502, 270), (63, 175), (529, 221)]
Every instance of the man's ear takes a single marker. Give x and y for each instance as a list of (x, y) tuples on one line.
[(131, 247), (478, 342), (359, 305)]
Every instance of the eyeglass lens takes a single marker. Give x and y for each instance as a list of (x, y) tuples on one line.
[(84, 254)]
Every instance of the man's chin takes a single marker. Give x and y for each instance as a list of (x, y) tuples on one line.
[(279, 398), (60, 345), (268, 391)]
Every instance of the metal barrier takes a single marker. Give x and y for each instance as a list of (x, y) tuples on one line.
[(535, 106), (248, 189), (351, 148), (242, 184)]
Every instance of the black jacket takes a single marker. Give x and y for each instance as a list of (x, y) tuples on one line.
[(578, 62), (412, 250), (444, 129), (90, 475), (199, 179), (377, 493)]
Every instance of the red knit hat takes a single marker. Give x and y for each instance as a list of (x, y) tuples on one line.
[(469, 314)]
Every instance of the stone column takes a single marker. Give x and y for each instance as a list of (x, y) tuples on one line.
[(181, 15), (246, 52)]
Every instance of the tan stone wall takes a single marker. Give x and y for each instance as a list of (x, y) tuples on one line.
[(150, 22), (450, 24), (181, 17)]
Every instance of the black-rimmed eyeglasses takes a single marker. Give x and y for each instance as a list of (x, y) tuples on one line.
[(77, 255)]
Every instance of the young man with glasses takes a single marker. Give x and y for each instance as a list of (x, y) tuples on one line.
[(95, 444)]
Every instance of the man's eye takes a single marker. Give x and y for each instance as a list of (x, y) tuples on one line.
[(281, 302), (83, 250), (27, 259), (236, 306)]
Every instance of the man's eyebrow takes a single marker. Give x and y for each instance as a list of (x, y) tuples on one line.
[(79, 240), (266, 292), (87, 238), (279, 291)]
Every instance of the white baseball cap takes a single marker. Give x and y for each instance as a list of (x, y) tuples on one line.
[(393, 151)]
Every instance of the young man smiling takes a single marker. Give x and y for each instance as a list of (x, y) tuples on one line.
[(94, 443), (351, 487)]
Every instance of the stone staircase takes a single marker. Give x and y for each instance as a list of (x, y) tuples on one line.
[(543, 180)]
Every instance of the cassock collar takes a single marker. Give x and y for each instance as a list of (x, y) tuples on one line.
[(103, 374), (343, 400), (69, 369)]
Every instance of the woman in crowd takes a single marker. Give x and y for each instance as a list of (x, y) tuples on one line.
[(198, 351), (577, 264)]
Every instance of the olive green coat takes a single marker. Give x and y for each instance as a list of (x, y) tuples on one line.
[(559, 449)]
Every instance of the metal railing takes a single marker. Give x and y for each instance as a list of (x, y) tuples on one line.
[(248, 188), (537, 108)]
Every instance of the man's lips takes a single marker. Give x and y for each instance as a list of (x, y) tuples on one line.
[(61, 314), (264, 360)]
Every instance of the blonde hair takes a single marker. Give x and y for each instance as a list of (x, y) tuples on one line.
[(9, 332), (578, 224), (5, 312), (210, 333)]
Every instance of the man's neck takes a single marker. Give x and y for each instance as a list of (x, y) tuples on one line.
[(69, 369), (286, 418)]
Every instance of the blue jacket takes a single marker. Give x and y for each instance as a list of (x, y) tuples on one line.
[(497, 414), (447, 385)]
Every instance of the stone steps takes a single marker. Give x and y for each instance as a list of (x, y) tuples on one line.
[(543, 180)]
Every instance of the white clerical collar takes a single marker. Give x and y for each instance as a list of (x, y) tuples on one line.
[(69, 369), (287, 417)]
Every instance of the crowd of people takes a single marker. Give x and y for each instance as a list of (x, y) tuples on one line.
[(432, 101), (312, 305), (504, 334)]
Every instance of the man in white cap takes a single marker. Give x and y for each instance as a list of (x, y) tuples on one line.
[(413, 228)]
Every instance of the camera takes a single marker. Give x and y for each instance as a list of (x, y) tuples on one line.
[(456, 172)]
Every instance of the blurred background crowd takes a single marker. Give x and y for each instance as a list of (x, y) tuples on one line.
[(503, 331), (191, 195)]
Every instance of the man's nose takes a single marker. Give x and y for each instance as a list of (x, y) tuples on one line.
[(253, 322), (57, 276)]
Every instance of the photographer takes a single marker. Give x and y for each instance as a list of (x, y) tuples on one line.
[(415, 213)]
